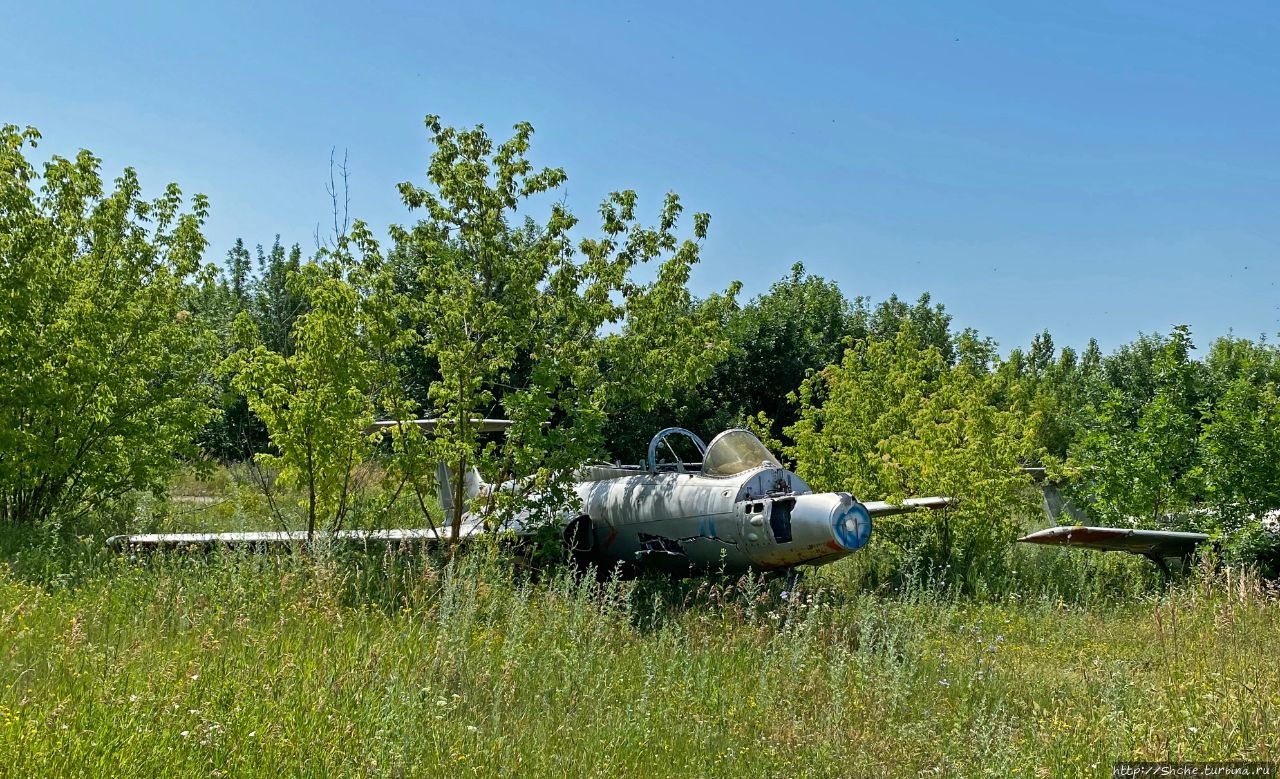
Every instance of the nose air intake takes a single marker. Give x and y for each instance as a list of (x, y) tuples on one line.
[(819, 524), (851, 523)]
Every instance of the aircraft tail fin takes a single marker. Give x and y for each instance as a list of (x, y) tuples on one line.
[(472, 484)]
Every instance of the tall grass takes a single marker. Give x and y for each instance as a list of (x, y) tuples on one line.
[(404, 664)]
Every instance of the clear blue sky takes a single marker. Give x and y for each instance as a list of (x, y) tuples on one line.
[(1097, 169)]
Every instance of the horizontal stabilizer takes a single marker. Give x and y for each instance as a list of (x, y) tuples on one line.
[(879, 508), (281, 538), (1149, 543)]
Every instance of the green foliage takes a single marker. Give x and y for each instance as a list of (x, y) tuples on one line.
[(930, 321), (103, 372), (1054, 394), (1139, 460), (511, 316), (110, 331), (318, 399), (802, 324), (274, 301), (263, 292), (1241, 449), (894, 420), (1150, 436), (1240, 437)]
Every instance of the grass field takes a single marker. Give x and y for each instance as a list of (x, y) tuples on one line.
[(401, 665)]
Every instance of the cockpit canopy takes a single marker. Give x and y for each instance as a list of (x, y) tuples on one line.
[(730, 453), (735, 451)]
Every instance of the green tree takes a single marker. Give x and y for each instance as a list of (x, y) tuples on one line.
[(274, 301), (101, 367), (1140, 460), (802, 323), (1055, 394), (1240, 449), (218, 296), (318, 400), (894, 420), (930, 321), (500, 300), (264, 291)]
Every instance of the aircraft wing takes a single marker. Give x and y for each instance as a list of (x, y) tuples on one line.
[(1156, 544), (283, 538), (880, 508)]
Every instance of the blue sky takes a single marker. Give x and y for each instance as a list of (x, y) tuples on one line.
[(1097, 169)]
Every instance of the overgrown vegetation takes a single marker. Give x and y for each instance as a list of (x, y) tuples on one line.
[(405, 665), (101, 366), (118, 347), (247, 388)]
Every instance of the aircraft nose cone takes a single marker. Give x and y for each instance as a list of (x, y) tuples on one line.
[(851, 523), (833, 521)]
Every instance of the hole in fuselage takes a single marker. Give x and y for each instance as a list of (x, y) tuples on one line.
[(780, 519)]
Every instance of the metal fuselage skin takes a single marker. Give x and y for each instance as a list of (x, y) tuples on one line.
[(763, 519)]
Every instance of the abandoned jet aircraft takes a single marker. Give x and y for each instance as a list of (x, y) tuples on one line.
[(688, 508)]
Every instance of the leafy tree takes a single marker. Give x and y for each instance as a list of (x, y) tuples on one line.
[(931, 322), (893, 420), (1137, 372), (495, 297), (101, 367), (802, 324), (1240, 449), (1241, 452), (275, 298), (237, 274), (1139, 461), (217, 297), (1231, 359), (318, 399), (263, 290), (1055, 394)]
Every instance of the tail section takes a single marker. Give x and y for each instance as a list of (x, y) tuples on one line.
[(471, 486)]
